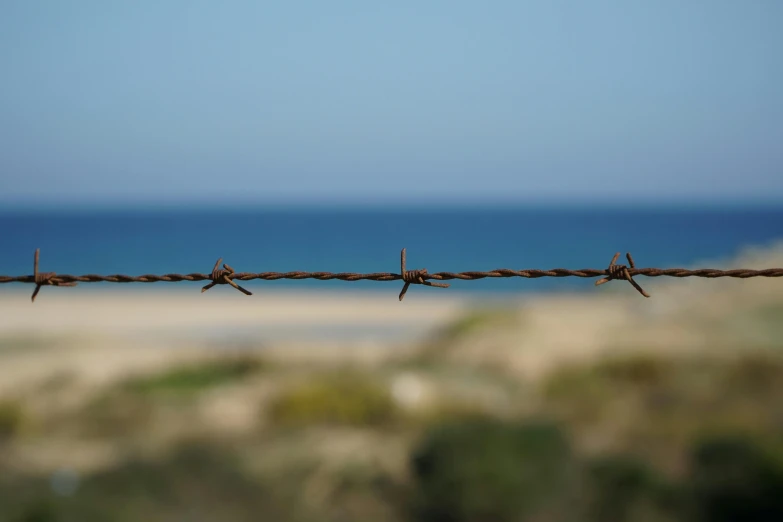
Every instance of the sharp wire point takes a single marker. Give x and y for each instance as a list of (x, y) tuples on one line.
[(227, 275), (223, 277)]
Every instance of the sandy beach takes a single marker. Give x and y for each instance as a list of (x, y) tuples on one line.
[(99, 333), (265, 316)]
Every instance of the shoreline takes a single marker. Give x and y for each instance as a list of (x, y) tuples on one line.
[(225, 313)]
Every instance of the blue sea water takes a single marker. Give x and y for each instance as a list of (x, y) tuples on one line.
[(138, 242)]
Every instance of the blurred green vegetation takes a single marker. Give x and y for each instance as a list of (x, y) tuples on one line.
[(340, 398), (449, 411), (475, 321), (10, 344), (641, 437), (477, 470), (137, 404), (489, 470), (766, 321), (736, 478), (12, 419), (472, 323), (656, 405), (197, 376), (199, 479), (115, 414), (516, 472), (620, 487)]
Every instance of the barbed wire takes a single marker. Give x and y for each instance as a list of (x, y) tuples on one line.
[(227, 275)]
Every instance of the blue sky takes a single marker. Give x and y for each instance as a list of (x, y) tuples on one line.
[(241, 101)]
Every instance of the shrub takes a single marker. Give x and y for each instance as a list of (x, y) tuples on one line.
[(635, 372), (11, 420), (116, 414), (624, 488), (340, 399), (487, 470), (195, 376), (38, 511), (733, 478), (636, 369), (198, 480)]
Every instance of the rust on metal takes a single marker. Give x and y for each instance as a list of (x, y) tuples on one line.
[(227, 275), (222, 276), (621, 272), (414, 277), (44, 278)]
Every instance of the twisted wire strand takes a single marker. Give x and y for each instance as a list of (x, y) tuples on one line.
[(710, 273), (227, 275)]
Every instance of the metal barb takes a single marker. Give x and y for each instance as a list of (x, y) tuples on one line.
[(43, 278), (226, 275), (621, 272), (415, 277), (223, 277)]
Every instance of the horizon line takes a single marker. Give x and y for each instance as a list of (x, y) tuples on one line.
[(424, 201), (357, 204)]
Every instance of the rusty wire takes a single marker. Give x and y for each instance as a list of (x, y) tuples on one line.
[(227, 275)]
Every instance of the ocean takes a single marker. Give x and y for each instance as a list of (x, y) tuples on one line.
[(148, 241)]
